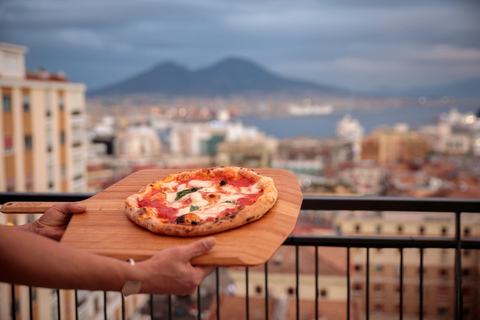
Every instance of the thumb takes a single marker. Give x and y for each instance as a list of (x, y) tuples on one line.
[(199, 247), (75, 207)]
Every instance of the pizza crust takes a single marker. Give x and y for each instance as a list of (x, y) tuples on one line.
[(147, 217)]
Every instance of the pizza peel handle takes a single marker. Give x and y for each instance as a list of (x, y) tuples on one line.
[(26, 207)]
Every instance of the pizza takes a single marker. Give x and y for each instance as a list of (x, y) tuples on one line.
[(202, 202)]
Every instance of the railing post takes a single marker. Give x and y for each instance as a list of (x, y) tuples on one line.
[(458, 268)]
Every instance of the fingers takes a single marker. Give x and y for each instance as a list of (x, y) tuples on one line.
[(70, 207), (199, 247)]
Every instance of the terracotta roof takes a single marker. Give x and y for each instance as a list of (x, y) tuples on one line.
[(331, 261), (234, 308)]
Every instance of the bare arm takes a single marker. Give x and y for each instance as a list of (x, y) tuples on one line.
[(29, 259)]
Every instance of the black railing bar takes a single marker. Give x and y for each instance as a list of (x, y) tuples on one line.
[(13, 306), (421, 285), (199, 303), (458, 269), (297, 282), (42, 197), (380, 242), (122, 297), (30, 303), (170, 306), (105, 315), (367, 286), (316, 282), (361, 203), (247, 294), (401, 285), (76, 304), (58, 304), (151, 307), (266, 290), (348, 283), (217, 280)]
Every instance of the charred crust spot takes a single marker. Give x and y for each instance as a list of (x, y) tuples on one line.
[(194, 222), (188, 218), (211, 195), (250, 218), (223, 182)]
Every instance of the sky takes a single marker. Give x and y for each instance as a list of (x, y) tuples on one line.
[(362, 45)]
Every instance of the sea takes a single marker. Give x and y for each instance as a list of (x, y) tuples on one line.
[(324, 126)]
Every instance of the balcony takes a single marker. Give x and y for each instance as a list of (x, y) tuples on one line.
[(451, 292)]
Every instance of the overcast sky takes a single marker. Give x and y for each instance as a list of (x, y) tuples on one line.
[(356, 44)]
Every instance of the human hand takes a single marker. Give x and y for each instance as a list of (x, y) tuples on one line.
[(54, 221), (170, 271)]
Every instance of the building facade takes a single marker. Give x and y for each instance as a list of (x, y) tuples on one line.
[(42, 117)]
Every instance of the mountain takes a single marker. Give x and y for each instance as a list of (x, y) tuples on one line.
[(228, 77)]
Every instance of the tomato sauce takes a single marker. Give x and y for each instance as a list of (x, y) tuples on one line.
[(249, 199), (241, 183), (163, 211)]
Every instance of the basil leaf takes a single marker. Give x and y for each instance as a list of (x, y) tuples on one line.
[(185, 192), (232, 202), (194, 208)]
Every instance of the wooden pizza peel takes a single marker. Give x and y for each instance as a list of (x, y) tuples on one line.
[(105, 229)]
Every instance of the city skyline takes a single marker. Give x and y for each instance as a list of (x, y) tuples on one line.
[(362, 47)]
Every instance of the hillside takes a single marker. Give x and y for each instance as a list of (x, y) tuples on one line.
[(232, 76)]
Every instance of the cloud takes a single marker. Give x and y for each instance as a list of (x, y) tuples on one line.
[(365, 44)]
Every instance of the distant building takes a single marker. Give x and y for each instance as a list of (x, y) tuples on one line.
[(43, 149), (386, 145), (282, 286), (42, 145), (384, 264)]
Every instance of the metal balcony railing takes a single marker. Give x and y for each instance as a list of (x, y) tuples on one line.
[(456, 243)]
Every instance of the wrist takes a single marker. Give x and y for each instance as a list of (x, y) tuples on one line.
[(131, 286)]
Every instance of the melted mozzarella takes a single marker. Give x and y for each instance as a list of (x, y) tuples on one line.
[(228, 196), (200, 183)]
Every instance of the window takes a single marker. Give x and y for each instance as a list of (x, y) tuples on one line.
[(323, 293), (28, 142), (378, 289), (443, 311), (62, 138), (400, 229), (466, 232), (443, 273), (444, 231), (357, 228), (421, 230), (7, 103), (379, 229), (378, 308), (63, 172), (378, 268), (358, 268), (8, 145), (61, 102), (26, 103), (357, 288)]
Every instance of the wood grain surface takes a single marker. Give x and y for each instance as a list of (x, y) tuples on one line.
[(105, 229)]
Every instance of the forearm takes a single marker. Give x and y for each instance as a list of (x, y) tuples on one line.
[(29, 259)]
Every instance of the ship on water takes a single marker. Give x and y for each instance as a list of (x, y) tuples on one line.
[(308, 110)]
